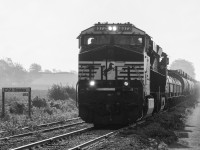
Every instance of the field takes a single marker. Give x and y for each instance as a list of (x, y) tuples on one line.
[(44, 110)]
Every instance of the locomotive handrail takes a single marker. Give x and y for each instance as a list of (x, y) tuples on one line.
[(77, 93)]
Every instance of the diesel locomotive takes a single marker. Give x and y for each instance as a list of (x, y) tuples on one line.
[(123, 75)]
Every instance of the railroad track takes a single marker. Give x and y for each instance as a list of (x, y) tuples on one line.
[(96, 141), (88, 144), (41, 131), (49, 140), (16, 140), (39, 126), (53, 123)]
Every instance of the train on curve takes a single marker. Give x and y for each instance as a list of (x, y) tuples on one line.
[(123, 76)]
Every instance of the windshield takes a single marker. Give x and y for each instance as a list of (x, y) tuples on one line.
[(112, 39)]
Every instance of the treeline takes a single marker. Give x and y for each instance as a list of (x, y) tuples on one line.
[(184, 65), (14, 74)]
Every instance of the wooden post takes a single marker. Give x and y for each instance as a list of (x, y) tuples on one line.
[(29, 103), (3, 103)]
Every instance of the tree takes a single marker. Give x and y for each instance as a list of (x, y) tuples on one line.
[(12, 74), (35, 68), (47, 71), (184, 65)]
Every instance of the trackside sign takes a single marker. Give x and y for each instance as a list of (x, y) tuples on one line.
[(26, 92), (16, 89)]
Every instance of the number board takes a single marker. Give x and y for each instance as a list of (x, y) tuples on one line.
[(125, 28), (16, 89), (120, 28), (101, 28)]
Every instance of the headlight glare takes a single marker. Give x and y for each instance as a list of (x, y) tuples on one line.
[(126, 83), (114, 28), (92, 83), (110, 28)]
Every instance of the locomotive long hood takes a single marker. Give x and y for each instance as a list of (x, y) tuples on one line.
[(114, 53)]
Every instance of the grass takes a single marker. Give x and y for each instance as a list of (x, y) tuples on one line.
[(52, 111), (161, 127)]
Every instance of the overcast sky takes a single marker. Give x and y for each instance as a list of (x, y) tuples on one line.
[(45, 31)]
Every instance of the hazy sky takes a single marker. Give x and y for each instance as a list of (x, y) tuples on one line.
[(45, 31)]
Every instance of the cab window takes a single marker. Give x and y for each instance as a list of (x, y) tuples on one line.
[(90, 40), (112, 39)]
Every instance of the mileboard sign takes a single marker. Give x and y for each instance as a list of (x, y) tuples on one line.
[(16, 89)]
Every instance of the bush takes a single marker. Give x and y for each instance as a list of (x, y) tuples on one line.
[(39, 102), (48, 111), (71, 91), (65, 106), (57, 106), (156, 131), (58, 92), (17, 108)]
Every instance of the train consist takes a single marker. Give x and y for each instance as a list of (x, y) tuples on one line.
[(123, 76)]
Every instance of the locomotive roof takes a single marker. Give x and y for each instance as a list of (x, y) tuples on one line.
[(114, 28)]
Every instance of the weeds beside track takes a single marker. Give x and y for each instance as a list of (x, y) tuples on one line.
[(20, 139)]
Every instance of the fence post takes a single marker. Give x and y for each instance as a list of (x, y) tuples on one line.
[(3, 103), (29, 103)]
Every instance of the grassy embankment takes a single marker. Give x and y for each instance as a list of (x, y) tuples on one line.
[(56, 104), (156, 133), (161, 127)]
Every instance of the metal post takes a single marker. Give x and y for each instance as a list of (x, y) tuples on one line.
[(128, 73), (77, 93), (106, 70), (116, 73), (101, 72), (90, 72)]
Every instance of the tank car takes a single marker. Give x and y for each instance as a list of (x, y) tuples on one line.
[(180, 86), (122, 75)]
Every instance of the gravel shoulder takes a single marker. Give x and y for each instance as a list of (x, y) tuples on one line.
[(158, 133)]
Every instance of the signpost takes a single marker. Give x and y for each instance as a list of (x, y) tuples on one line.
[(26, 92)]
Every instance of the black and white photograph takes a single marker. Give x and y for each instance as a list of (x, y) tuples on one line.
[(99, 74)]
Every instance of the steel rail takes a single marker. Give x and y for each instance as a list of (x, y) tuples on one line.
[(46, 125), (93, 142), (43, 142), (52, 123), (42, 131)]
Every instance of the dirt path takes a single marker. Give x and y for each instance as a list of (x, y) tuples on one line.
[(189, 138)]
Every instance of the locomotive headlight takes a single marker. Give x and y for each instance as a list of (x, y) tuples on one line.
[(126, 83), (114, 28), (92, 83), (110, 28)]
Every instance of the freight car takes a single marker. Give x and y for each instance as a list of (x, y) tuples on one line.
[(123, 75)]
